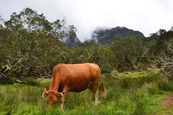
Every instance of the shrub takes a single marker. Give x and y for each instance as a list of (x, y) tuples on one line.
[(32, 83), (7, 81)]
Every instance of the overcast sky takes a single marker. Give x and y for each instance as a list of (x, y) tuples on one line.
[(147, 16)]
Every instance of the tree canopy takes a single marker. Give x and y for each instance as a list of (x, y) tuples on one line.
[(30, 46)]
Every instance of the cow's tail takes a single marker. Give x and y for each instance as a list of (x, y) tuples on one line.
[(104, 92)]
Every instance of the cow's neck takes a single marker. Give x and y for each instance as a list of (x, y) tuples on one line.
[(54, 85)]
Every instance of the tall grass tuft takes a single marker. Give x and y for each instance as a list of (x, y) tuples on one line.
[(19, 97), (126, 83), (165, 84)]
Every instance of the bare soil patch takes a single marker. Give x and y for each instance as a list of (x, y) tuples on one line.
[(168, 102)]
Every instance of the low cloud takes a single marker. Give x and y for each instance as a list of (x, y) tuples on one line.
[(145, 15)]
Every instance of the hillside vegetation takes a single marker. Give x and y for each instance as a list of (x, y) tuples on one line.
[(30, 46), (106, 36)]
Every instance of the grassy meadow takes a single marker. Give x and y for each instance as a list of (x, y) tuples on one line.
[(135, 93)]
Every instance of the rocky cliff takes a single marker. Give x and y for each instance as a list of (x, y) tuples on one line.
[(71, 40)]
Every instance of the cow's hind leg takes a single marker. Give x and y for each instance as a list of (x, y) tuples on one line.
[(94, 89), (96, 98)]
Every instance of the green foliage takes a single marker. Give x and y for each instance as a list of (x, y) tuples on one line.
[(129, 54), (29, 46), (27, 54), (89, 53), (165, 84), (30, 20), (31, 81), (160, 47), (7, 81), (104, 57)]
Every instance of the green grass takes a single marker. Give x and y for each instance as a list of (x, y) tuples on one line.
[(139, 95), (148, 73)]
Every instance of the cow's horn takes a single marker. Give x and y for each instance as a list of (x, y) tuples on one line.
[(43, 95), (60, 93)]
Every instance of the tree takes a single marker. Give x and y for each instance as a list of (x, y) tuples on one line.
[(32, 21), (128, 53), (29, 45), (104, 57)]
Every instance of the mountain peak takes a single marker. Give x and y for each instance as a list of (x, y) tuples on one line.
[(106, 36), (72, 39)]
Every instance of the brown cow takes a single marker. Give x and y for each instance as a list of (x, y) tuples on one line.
[(75, 78)]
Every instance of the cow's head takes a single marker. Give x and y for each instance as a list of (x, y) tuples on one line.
[(51, 97)]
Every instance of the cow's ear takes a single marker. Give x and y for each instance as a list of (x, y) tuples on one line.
[(45, 90), (63, 92)]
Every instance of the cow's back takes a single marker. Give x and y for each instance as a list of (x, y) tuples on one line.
[(95, 70), (78, 77)]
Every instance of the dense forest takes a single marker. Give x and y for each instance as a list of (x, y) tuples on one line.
[(30, 46)]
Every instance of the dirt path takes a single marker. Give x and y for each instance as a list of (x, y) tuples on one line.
[(168, 105)]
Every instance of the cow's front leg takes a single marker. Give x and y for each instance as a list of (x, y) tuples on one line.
[(62, 99), (61, 106)]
